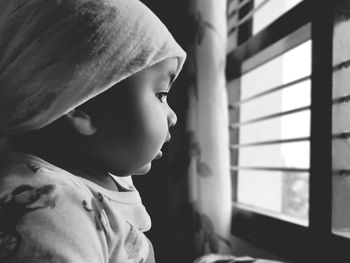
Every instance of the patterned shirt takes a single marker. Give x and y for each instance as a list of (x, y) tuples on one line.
[(50, 215)]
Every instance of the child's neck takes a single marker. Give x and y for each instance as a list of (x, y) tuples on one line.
[(83, 169), (65, 156), (76, 164)]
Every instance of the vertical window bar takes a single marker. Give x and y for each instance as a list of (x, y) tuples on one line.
[(321, 127)]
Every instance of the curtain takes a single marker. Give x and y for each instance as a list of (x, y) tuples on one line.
[(207, 125)]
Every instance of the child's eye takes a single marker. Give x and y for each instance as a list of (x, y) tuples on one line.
[(162, 96)]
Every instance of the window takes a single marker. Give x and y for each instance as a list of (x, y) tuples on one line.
[(340, 129), (270, 10), (289, 157), (274, 130)]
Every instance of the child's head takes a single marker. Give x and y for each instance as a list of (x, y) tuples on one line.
[(61, 54), (125, 128)]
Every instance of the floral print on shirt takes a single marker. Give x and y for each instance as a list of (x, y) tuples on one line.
[(13, 206)]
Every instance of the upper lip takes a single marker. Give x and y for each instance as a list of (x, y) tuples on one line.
[(168, 138)]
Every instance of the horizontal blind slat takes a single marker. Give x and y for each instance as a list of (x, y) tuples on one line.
[(236, 146)]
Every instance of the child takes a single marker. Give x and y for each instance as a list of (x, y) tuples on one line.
[(67, 150)]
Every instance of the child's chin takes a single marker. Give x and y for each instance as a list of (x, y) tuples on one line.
[(143, 170)]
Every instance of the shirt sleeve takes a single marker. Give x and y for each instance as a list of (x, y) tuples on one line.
[(49, 221)]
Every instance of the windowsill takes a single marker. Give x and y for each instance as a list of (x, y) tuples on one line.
[(273, 214), (343, 233)]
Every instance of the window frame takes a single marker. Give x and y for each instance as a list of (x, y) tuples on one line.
[(314, 243)]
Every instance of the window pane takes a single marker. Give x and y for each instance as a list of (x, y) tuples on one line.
[(283, 69), (280, 194), (341, 123), (279, 101), (341, 117), (341, 211), (283, 194), (291, 155), (270, 12), (289, 126)]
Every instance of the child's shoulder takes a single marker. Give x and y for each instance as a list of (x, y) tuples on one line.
[(20, 172), (49, 211), (43, 210)]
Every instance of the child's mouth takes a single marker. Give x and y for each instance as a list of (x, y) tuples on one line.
[(159, 155)]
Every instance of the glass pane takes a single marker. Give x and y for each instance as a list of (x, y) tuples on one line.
[(280, 194), (341, 123), (292, 65), (291, 155), (341, 155), (341, 117), (278, 101), (270, 12), (277, 193), (289, 126), (341, 211)]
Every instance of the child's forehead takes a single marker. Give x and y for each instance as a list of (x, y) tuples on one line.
[(168, 63), (164, 70), (161, 71)]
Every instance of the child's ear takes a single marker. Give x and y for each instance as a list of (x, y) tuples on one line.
[(81, 122)]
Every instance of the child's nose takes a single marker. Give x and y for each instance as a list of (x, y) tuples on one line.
[(172, 118)]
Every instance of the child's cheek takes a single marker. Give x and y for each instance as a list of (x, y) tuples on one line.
[(155, 133)]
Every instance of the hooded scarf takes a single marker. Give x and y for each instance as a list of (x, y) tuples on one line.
[(57, 54)]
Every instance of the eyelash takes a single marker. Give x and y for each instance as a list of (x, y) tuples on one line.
[(161, 96)]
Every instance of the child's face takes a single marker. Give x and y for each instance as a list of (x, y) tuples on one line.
[(134, 123)]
